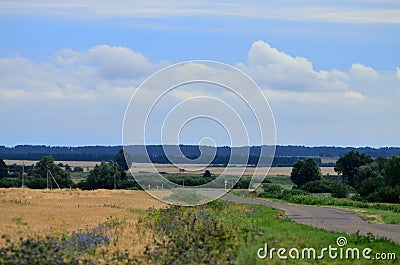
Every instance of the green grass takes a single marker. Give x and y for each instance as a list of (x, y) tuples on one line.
[(372, 212), (286, 234), (374, 216), (187, 197), (187, 234), (269, 227), (283, 181)]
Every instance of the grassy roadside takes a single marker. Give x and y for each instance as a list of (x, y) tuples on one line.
[(373, 216), (372, 212), (232, 233), (379, 213)]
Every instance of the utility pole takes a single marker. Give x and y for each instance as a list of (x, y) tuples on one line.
[(115, 176), (47, 178), (22, 176)]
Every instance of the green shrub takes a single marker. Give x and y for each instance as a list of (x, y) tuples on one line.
[(188, 236), (339, 190), (10, 183), (385, 194), (370, 185), (318, 186)]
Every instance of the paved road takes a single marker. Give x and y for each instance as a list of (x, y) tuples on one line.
[(326, 218)]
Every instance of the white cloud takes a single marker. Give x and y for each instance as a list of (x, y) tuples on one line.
[(361, 71), (112, 62), (318, 107), (354, 95), (77, 97), (88, 92), (274, 69)]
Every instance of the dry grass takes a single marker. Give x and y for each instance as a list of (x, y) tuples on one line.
[(26, 212)]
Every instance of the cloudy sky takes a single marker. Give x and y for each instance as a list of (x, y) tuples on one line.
[(330, 70)]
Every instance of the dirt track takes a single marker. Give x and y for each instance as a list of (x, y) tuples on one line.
[(326, 218)]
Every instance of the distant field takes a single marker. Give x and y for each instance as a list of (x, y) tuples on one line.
[(86, 165), (167, 168), (274, 171), (26, 212)]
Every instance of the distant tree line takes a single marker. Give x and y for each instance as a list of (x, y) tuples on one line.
[(224, 160), (105, 153)]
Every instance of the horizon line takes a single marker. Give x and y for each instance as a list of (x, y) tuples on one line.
[(221, 146)]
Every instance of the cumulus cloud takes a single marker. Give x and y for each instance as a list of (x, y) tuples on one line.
[(76, 96), (317, 107), (75, 74), (276, 70), (89, 90), (361, 71), (111, 62)]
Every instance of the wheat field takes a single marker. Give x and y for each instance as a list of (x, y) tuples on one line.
[(26, 212)]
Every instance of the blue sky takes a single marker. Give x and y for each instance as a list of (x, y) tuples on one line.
[(68, 69)]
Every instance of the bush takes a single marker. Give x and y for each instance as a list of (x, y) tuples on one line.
[(189, 236), (129, 184), (243, 183), (10, 182), (318, 186), (78, 169), (370, 185), (339, 190), (385, 194), (272, 188)]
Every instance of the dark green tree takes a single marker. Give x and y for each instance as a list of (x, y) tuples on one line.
[(304, 171), (207, 174), (370, 185), (348, 164), (363, 172), (68, 168), (3, 169), (105, 176), (44, 172), (121, 159), (78, 169), (392, 171), (339, 189)]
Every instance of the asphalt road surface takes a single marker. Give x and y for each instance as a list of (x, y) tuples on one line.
[(326, 218)]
